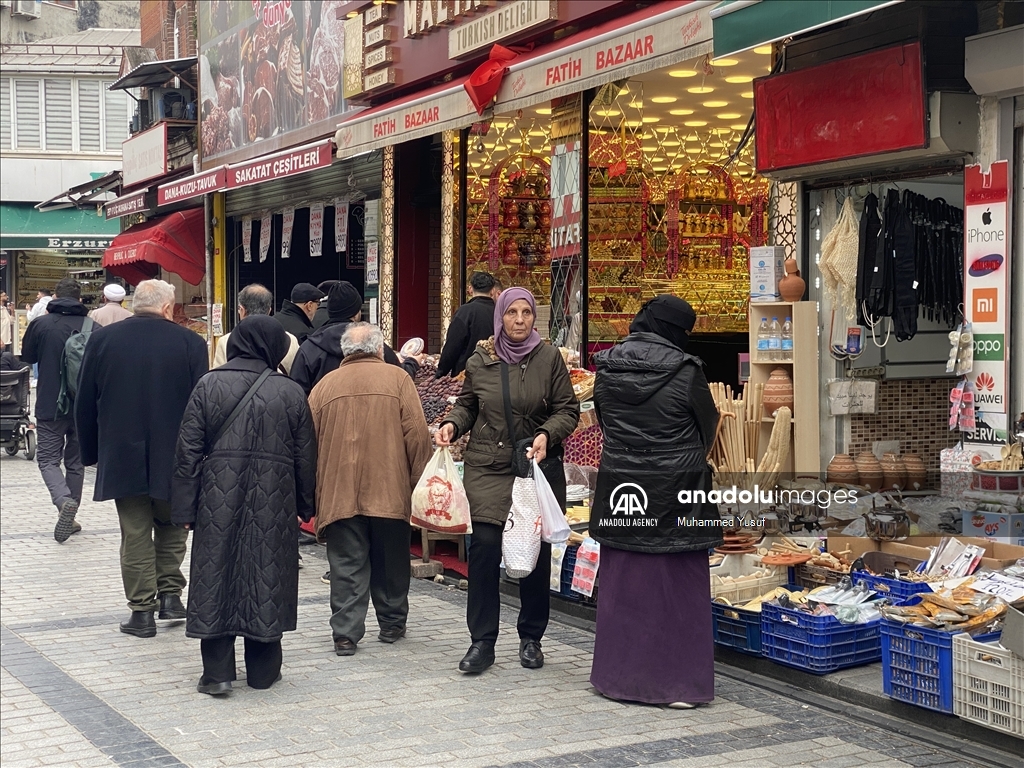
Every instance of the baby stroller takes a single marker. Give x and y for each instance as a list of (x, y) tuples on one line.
[(16, 431)]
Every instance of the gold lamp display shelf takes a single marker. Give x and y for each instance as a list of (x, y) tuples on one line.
[(803, 369)]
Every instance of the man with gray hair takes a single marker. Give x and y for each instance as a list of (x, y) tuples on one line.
[(136, 379), (373, 444), (255, 299)]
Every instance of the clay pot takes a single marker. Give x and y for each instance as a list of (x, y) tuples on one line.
[(894, 474), (870, 470), (843, 469), (778, 391), (792, 286), (917, 472)]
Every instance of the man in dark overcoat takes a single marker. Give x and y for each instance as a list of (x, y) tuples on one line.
[(136, 378)]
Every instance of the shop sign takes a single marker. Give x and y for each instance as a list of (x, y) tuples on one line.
[(340, 225), (287, 224), (246, 238), (266, 226), (217, 319), (281, 165), (506, 20), (126, 205), (987, 287), (57, 243), (316, 229), (372, 263), (854, 107), (192, 186), (144, 155), (268, 68), (424, 16), (566, 215)]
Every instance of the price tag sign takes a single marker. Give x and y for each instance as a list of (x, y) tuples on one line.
[(1000, 585)]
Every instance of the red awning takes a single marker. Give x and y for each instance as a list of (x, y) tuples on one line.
[(174, 242)]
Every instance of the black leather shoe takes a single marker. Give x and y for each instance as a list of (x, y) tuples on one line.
[(171, 607), (140, 624), (391, 634), (530, 654), (344, 647), (214, 689), (478, 658)]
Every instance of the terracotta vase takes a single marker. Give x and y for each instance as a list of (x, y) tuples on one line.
[(894, 474), (792, 286), (843, 470), (870, 470), (917, 472), (778, 391)]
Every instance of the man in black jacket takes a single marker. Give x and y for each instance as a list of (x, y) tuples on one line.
[(135, 382), (297, 315), (321, 352), (321, 316), (44, 344), (472, 322)]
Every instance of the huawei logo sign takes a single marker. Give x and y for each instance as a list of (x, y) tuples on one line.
[(985, 382)]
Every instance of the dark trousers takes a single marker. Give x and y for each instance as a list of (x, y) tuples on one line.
[(262, 661), (58, 442), (152, 549), (369, 557), (483, 606)]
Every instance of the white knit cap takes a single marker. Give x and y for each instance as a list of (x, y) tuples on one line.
[(113, 292)]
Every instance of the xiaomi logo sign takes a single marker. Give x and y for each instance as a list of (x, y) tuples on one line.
[(985, 305)]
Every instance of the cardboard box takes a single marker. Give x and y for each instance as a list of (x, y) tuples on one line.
[(766, 270), (994, 525), (857, 545), (998, 555)]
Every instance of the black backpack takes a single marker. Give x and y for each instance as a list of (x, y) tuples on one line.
[(70, 365)]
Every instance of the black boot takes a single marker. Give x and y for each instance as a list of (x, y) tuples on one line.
[(530, 654), (478, 658), (171, 607), (140, 624)]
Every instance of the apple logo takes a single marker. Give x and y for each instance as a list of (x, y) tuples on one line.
[(986, 218)]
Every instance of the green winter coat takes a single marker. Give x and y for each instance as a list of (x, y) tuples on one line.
[(542, 401)]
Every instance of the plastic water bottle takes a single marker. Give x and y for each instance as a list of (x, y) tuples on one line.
[(763, 342), (787, 339), (775, 340)]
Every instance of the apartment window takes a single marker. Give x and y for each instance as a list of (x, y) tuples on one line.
[(89, 136), (58, 114), (5, 113), (26, 106), (116, 118)]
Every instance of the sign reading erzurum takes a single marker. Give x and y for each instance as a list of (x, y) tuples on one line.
[(986, 282), (268, 68)]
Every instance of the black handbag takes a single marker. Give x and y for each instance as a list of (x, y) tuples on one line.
[(521, 465), (237, 410)]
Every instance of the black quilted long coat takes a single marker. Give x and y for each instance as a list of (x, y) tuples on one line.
[(243, 500)]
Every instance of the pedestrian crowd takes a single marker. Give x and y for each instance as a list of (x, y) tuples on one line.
[(307, 415)]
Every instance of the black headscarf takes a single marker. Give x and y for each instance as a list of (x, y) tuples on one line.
[(260, 338), (667, 316)]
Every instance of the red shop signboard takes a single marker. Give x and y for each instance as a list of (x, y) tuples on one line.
[(854, 107)]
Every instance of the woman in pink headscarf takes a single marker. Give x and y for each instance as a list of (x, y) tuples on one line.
[(518, 404)]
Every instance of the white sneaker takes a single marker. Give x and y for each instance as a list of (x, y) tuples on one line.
[(680, 705)]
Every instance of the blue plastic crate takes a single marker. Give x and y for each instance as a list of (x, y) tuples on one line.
[(817, 644), (565, 582), (917, 664), (736, 628), (894, 589)]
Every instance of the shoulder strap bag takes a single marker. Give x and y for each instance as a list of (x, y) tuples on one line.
[(238, 409), (522, 466)]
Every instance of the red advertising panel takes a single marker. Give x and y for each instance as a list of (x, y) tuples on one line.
[(289, 163), (862, 105), (191, 186)]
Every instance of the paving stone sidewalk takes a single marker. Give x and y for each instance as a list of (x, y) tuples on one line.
[(76, 692)]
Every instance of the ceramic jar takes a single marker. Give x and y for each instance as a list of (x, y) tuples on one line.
[(894, 474), (778, 391), (843, 470), (870, 471), (791, 287), (917, 473)]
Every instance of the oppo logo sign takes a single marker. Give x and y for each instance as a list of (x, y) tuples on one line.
[(985, 265), (989, 347)]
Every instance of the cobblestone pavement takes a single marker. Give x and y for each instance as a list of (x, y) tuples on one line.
[(76, 692)]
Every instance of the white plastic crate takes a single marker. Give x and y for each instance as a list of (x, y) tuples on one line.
[(744, 591), (988, 685)]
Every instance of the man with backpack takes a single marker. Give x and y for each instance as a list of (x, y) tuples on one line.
[(44, 344)]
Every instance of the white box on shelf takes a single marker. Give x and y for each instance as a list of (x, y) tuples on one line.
[(766, 270)]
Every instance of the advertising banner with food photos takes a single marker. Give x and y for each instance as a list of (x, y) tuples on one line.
[(268, 68)]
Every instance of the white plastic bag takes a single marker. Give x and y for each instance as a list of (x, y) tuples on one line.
[(439, 501), (554, 529), (520, 542)]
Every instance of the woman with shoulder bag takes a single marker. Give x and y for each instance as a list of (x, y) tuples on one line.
[(518, 404), (653, 640), (244, 471)]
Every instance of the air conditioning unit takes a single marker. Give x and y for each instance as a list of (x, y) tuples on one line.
[(168, 103), (952, 135), (27, 9)]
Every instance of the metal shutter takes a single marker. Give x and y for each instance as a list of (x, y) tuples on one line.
[(5, 113), (365, 173), (57, 107), (26, 95), (89, 116)]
